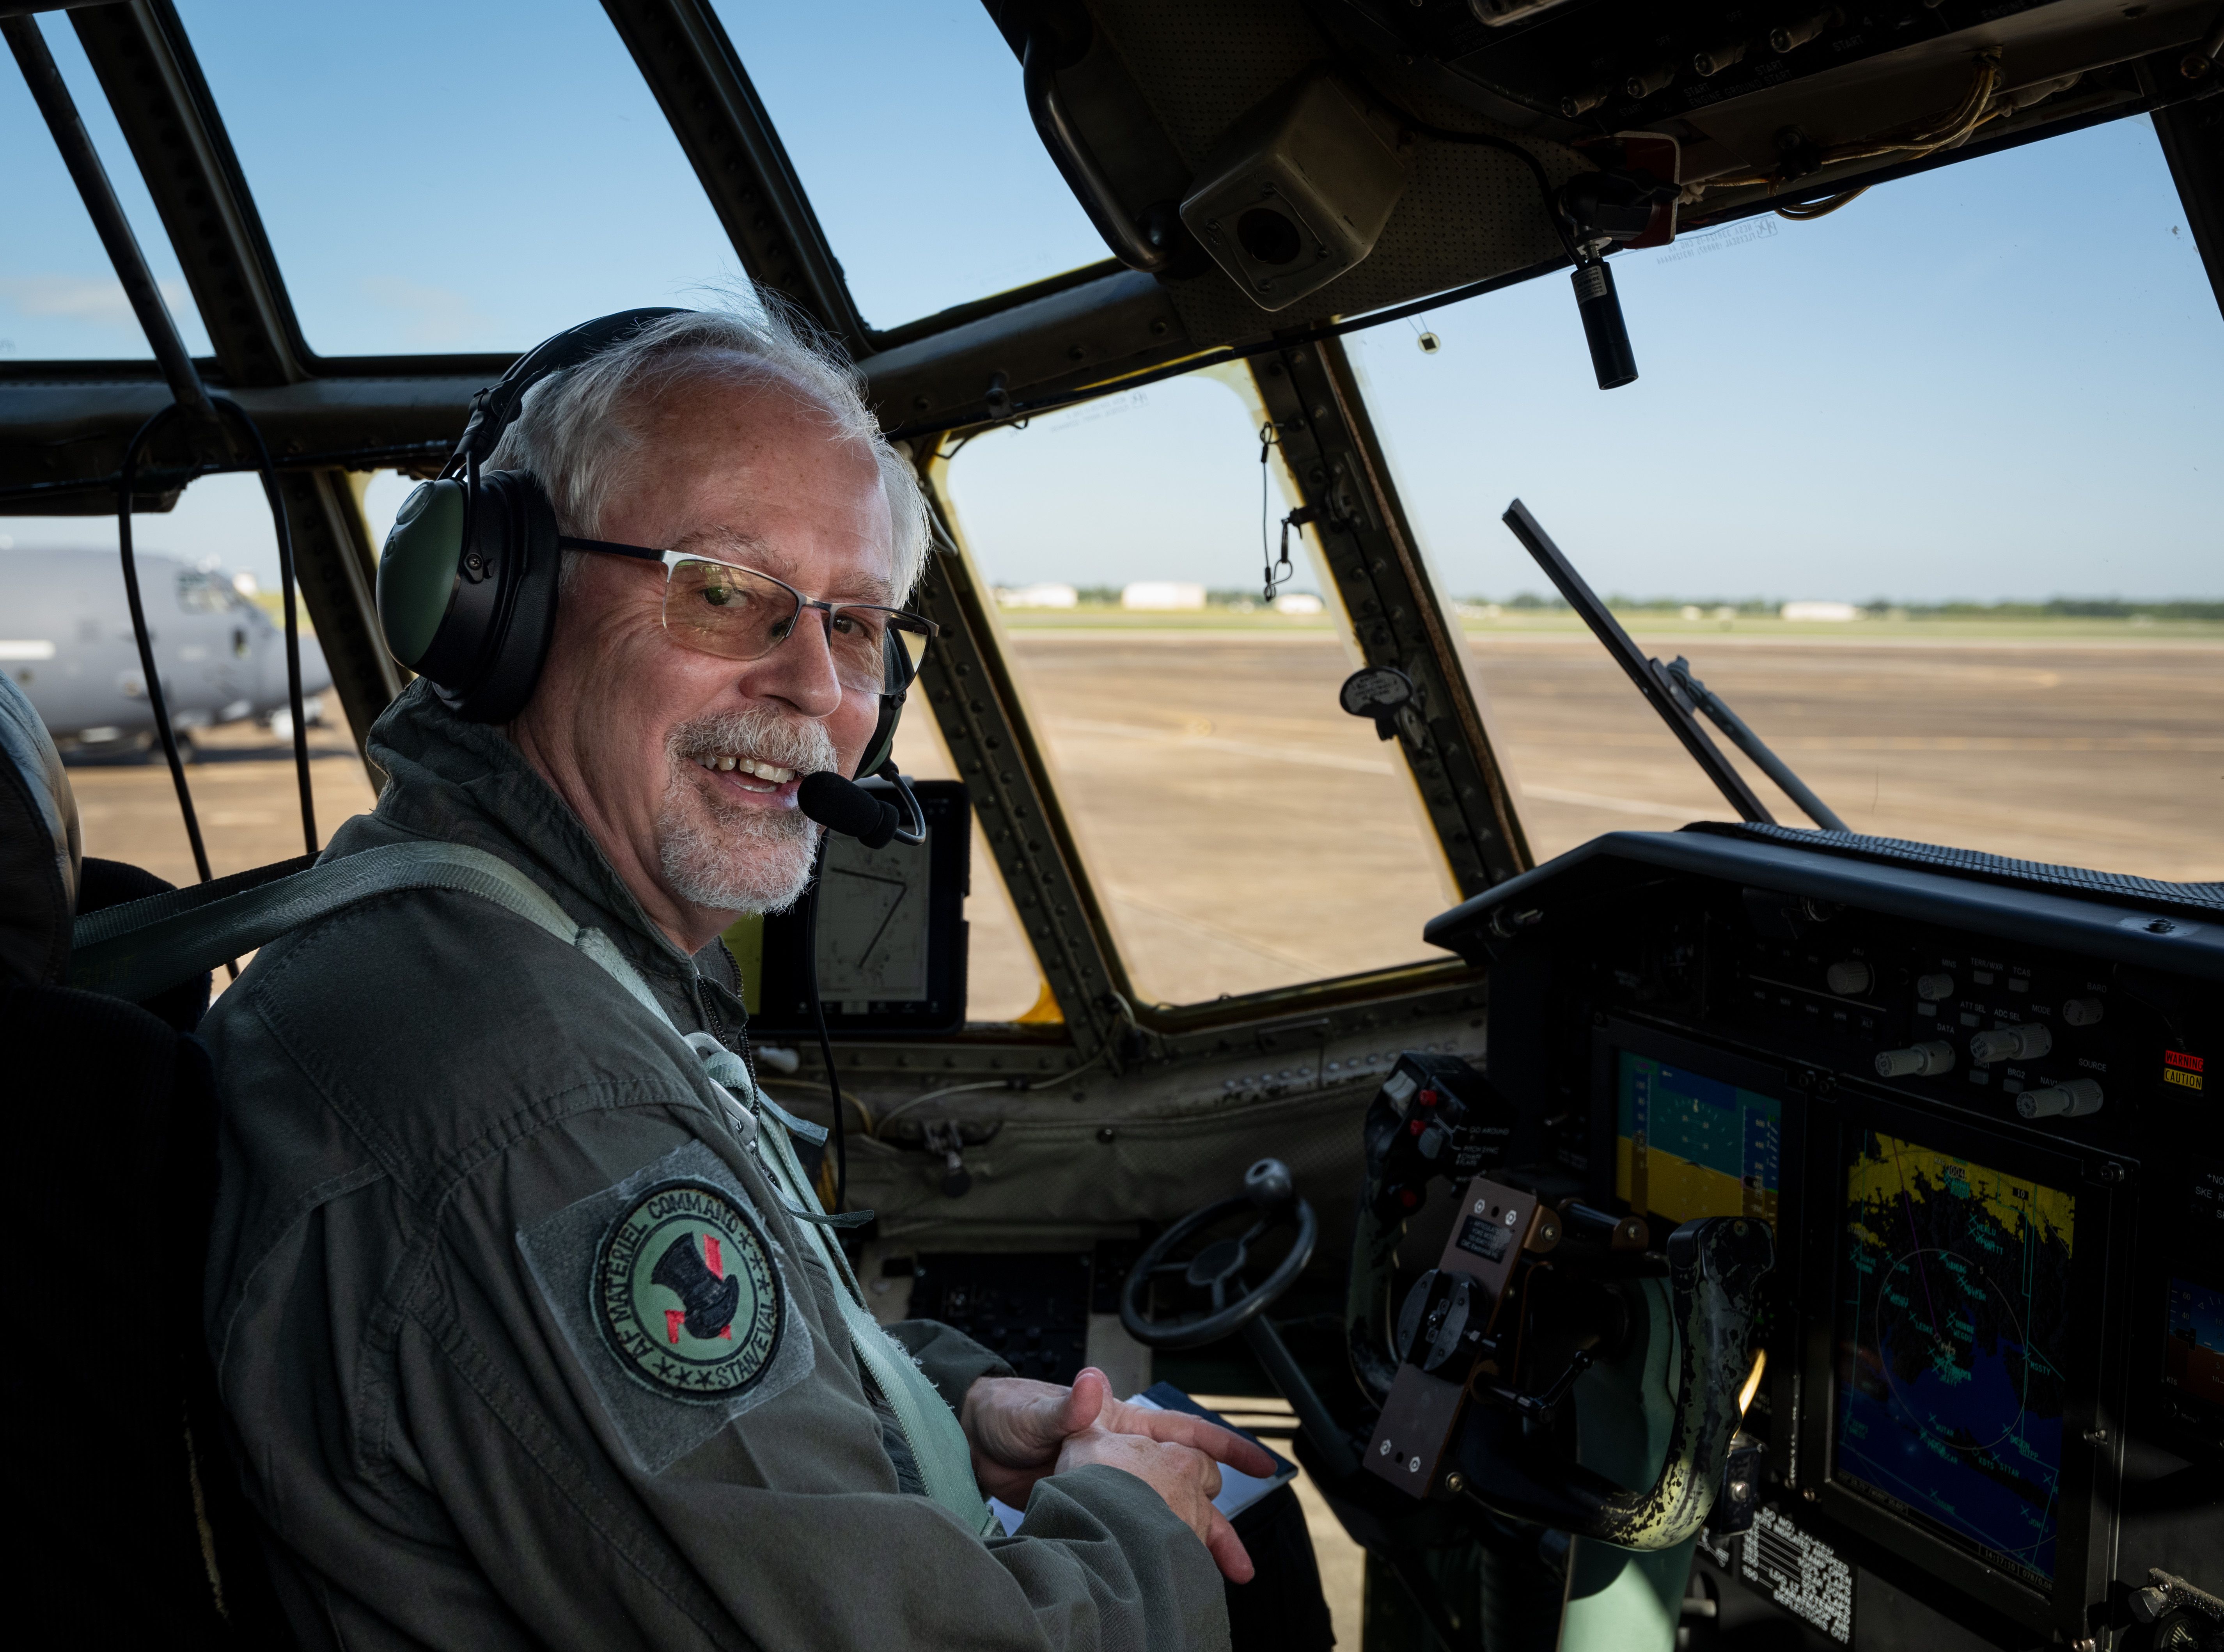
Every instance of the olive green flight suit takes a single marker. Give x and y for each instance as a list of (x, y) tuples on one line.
[(519, 1346)]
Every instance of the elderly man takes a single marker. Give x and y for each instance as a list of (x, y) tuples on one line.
[(523, 1341)]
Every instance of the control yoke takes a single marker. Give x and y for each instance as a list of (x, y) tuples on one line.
[(1531, 1305), (1715, 1268)]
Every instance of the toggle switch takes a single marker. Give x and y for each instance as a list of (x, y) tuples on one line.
[(1850, 978), (1924, 1061), (2082, 1012), (2010, 1044), (1934, 989), (2074, 1099)]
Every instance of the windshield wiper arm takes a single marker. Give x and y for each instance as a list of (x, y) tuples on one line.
[(1672, 691), (1698, 694)]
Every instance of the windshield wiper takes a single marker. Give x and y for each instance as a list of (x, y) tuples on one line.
[(1672, 691)]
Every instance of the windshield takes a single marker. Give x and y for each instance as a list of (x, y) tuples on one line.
[(1240, 831), (59, 297), (523, 175), (1902, 484), (906, 125)]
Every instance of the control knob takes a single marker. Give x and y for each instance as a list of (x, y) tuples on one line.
[(1934, 989), (2082, 1012), (2073, 1099), (1849, 978), (2009, 1044), (1924, 1060)]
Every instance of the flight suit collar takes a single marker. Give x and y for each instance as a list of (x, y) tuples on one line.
[(468, 782)]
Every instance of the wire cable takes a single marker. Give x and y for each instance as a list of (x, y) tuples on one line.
[(1021, 1084), (841, 1140), (156, 700), (1485, 141), (1942, 132), (1807, 211), (232, 410)]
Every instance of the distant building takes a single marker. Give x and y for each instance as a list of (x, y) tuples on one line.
[(1836, 613), (1298, 602), (1162, 595), (1039, 596)]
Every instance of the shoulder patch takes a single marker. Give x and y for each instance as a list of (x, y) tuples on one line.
[(671, 1292), (685, 1294)]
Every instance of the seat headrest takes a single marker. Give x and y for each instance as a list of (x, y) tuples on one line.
[(38, 850)]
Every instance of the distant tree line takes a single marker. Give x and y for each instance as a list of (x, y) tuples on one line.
[(2055, 608)]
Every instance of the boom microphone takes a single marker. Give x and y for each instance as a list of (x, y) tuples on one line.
[(843, 806)]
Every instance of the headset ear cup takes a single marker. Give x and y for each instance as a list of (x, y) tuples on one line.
[(514, 510), (417, 570)]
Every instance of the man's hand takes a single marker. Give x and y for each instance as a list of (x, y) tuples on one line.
[(1186, 1478), (1022, 1430)]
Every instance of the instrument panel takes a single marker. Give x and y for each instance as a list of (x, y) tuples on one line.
[(1974, 1101)]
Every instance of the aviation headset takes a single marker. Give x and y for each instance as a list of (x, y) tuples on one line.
[(467, 580)]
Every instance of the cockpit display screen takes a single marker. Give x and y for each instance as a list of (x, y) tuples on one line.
[(2193, 1357), (1687, 1145), (1953, 1326)]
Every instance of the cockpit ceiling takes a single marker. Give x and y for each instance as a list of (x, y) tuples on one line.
[(1161, 82)]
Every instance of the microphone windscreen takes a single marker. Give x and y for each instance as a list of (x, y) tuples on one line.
[(843, 806)]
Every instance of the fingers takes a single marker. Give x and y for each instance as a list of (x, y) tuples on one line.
[(1226, 1549), (1085, 1400), (1222, 1445)]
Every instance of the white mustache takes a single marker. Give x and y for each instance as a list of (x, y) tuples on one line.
[(798, 743)]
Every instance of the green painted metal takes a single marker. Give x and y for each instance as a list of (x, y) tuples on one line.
[(1620, 1599)]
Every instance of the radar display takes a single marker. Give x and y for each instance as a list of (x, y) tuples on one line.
[(2193, 1357), (1952, 1333), (1688, 1146)]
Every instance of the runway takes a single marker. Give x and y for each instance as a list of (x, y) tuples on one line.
[(1245, 833)]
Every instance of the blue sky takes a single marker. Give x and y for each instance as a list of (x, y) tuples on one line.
[(1999, 380)]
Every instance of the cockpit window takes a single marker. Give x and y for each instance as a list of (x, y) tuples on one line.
[(1900, 483), (906, 125), (59, 299), (1241, 832), (522, 176), (201, 592)]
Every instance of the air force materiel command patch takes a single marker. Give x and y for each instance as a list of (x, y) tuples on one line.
[(675, 1301), (685, 1293)]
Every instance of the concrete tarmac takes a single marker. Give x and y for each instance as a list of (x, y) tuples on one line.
[(1246, 833)]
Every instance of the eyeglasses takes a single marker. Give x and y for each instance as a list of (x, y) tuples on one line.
[(737, 613)]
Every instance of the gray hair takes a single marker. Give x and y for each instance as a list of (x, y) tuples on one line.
[(576, 429)]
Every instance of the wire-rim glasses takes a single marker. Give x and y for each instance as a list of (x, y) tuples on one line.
[(741, 613)]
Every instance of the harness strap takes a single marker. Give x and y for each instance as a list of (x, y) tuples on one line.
[(134, 950), (138, 949), (930, 1427)]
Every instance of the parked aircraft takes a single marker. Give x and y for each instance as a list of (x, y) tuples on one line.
[(65, 638)]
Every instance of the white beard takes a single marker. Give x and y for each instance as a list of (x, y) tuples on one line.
[(727, 857)]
